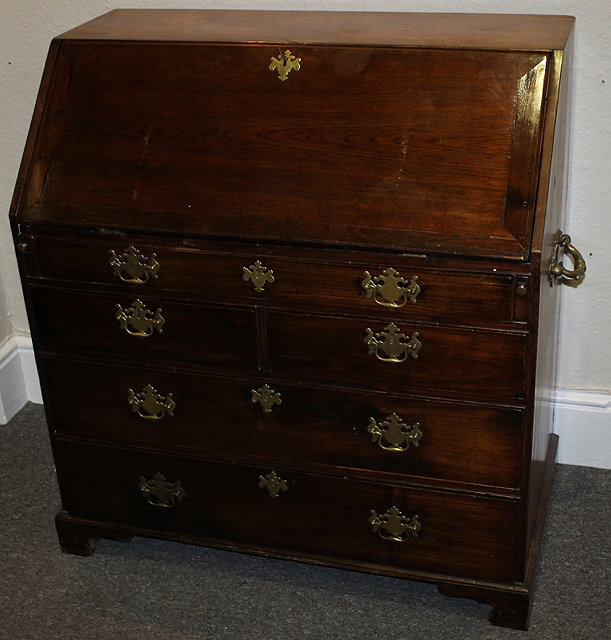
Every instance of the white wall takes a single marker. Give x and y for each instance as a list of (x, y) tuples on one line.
[(26, 27)]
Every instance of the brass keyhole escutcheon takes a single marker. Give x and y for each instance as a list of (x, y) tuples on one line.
[(284, 64), (266, 397), (258, 275), (273, 483)]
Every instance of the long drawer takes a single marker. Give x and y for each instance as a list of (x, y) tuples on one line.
[(299, 426), (408, 288), (379, 354), (304, 515)]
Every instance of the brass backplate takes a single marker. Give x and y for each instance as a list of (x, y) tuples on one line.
[(160, 493), (139, 321), (134, 267), (392, 434), (149, 404), (390, 345), (390, 289), (394, 526)]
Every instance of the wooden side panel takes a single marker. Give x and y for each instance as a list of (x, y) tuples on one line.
[(32, 139), (553, 197)]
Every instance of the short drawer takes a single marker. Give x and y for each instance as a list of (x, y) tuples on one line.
[(277, 510), (324, 428), (144, 329), (404, 357), (405, 287)]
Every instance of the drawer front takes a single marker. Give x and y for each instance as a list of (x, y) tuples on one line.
[(323, 428), (311, 516), (459, 363), (387, 285), (207, 336)]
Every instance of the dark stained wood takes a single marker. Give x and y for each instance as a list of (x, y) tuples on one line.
[(339, 154), (431, 144), (314, 427), (200, 336), (79, 538), (304, 517), (445, 30), (316, 281), (548, 312), (451, 362), (510, 609)]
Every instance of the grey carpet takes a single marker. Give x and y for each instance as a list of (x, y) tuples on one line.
[(152, 590)]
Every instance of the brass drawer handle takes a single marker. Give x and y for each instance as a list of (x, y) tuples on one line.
[(393, 525), (258, 274), (557, 269), (139, 321), (284, 64), (149, 404), (273, 483), (393, 434), (390, 289), (134, 267), (160, 493), (266, 397), (395, 346)]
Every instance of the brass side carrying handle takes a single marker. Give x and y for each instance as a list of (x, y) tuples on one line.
[(557, 269)]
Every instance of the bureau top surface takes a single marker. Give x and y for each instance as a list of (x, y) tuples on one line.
[(443, 30)]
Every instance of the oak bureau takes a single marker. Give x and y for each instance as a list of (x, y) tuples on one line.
[(292, 281)]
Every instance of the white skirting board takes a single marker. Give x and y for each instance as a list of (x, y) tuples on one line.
[(18, 376), (582, 418)]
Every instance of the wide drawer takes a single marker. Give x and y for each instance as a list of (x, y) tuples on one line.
[(318, 279), (375, 353), (174, 331), (310, 516), (329, 429)]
